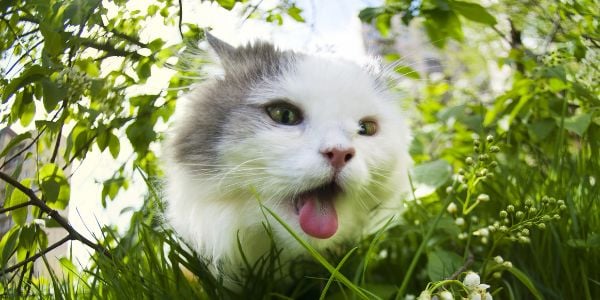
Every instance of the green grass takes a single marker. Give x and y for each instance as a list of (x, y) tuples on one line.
[(557, 260)]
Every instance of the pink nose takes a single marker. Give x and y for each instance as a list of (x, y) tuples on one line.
[(338, 157)]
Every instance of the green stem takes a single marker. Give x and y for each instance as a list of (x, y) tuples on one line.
[(415, 259)]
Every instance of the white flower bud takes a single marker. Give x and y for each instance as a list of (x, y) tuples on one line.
[(498, 259), (474, 296), (471, 280), (425, 295), (483, 198), (446, 295), (459, 221), (452, 208)]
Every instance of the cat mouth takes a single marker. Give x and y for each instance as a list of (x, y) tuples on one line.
[(316, 211)]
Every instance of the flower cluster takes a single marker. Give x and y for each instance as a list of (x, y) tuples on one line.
[(477, 290), (470, 288), (479, 168), (73, 81), (516, 221)]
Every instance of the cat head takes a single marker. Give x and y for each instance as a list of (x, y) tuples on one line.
[(317, 138)]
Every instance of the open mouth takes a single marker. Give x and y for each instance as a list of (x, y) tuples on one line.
[(316, 210)]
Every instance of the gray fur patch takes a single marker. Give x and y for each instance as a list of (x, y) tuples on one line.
[(217, 110)]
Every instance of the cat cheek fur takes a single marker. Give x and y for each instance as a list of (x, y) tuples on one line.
[(225, 151)]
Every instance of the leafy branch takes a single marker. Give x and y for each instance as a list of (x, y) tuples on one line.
[(36, 201)]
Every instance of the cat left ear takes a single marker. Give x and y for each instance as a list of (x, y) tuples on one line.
[(223, 50)]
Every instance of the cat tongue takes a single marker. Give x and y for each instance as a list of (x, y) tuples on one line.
[(318, 218)]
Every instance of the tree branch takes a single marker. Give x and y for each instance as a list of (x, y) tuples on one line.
[(110, 49), (15, 207), (36, 256), (463, 268), (37, 137), (53, 214), (124, 36)]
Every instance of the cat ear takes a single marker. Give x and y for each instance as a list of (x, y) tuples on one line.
[(223, 50)]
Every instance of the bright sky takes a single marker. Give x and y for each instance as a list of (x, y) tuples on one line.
[(331, 25)]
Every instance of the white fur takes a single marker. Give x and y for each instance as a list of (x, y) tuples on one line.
[(210, 212)]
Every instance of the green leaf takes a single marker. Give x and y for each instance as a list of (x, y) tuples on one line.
[(473, 12), (152, 9), (440, 25), (441, 264), (8, 244), (55, 186), (53, 41), (526, 281), (111, 187), (141, 133), (27, 239), (577, 124), (556, 85), (114, 145), (31, 74), (226, 4), (102, 139), (430, 176), (370, 13), (52, 94), (540, 130), (295, 13), (17, 197), (144, 69), (14, 142), (23, 108), (274, 18), (383, 23)]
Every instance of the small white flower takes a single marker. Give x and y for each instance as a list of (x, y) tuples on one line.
[(459, 221), (449, 189), (482, 232), (452, 208), (446, 295), (471, 280), (425, 295), (474, 296), (483, 198)]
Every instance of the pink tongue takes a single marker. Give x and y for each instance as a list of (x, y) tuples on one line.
[(318, 218)]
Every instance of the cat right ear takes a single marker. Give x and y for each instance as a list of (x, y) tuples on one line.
[(223, 50)]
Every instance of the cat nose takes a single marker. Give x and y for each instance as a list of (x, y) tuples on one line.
[(338, 157)]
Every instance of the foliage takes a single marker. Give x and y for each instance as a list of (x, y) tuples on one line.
[(506, 191)]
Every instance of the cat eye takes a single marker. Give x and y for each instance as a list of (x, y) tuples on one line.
[(284, 113), (367, 127)]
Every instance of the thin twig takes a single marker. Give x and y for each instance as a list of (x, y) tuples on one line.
[(35, 139), (468, 263), (53, 214), (32, 142), (15, 207), (37, 255), (180, 18), (23, 56)]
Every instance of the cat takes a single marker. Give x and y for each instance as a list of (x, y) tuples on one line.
[(318, 139)]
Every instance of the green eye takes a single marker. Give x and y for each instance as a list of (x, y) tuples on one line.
[(367, 127), (285, 114)]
